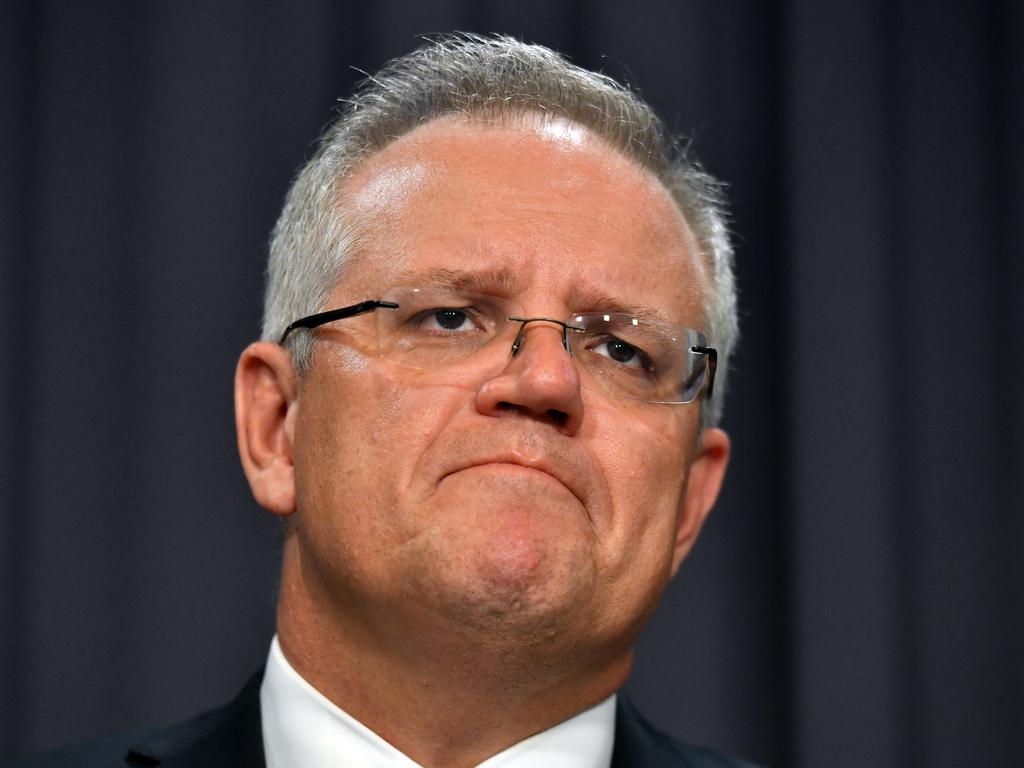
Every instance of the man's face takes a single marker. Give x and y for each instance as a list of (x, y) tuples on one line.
[(505, 497)]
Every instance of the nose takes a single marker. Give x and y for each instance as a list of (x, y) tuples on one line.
[(539, 381)]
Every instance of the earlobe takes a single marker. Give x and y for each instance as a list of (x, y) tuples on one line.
[(266, 399), (707, 471)]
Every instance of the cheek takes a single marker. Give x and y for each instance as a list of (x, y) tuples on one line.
[(359, 435), (360, 438), (341, 432), (644, 462), (645, 465)]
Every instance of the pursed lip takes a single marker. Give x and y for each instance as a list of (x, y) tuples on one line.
[(566, 476)]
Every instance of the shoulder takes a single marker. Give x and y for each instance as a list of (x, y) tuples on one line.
[(638, 744), (227, 736), (102, 753)]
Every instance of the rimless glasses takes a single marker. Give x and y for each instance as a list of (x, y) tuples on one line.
[(619, 354)]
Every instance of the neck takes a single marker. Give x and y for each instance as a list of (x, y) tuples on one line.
[(416, 680)]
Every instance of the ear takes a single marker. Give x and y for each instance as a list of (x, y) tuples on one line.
[(266, 404), (707, 470)]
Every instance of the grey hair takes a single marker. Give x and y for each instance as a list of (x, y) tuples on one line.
[(488, 77)]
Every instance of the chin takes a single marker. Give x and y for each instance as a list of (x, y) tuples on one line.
[(514, 587)]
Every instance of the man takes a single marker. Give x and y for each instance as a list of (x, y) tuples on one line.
[(484, 408)]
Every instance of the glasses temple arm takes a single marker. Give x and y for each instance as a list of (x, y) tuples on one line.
[(712, 357), (318, 319)]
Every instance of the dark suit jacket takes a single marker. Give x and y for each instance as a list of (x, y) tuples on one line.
[(232, 737)]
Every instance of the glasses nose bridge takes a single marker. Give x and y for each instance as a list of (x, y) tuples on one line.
[(520, 337)]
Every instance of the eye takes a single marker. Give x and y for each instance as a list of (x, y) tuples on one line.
[(446, 319), (623, 353)]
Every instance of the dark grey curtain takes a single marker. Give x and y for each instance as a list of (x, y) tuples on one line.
[(856, 598)]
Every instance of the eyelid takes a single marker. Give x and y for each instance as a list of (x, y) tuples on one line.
[(447, 297), (644, 363), (480, 320), (653, 347)]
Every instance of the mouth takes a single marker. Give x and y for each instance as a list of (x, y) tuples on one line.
[(515, 465)]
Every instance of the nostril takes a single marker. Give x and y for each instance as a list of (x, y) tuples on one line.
[(558, 417)]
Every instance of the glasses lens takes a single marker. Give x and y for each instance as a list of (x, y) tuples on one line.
[(438, 326), (639, 359)]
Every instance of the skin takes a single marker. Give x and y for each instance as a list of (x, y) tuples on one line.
[(481, 547)]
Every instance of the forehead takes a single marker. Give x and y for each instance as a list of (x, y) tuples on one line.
[(536, 204)]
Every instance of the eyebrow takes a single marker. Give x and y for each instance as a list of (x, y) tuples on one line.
[(592, 300), (500, 279), (506, 281)]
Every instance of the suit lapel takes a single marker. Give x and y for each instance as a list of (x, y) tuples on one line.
[(639, 745), (229, 736)]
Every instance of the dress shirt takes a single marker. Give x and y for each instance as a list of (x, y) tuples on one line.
[(303, 729)]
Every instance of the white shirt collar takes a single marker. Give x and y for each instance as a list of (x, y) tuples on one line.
[(303, 729)]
